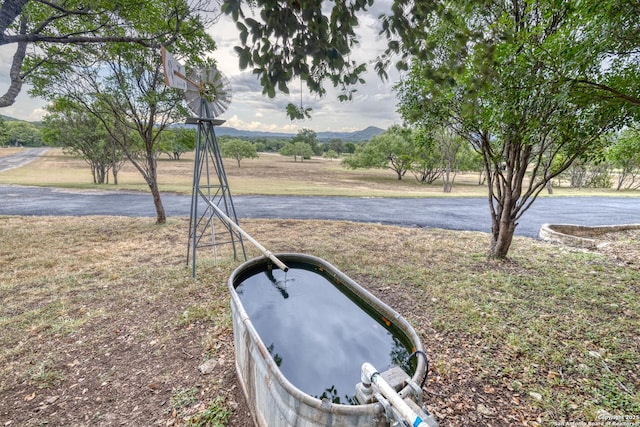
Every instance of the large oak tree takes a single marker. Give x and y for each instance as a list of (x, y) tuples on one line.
[(524, 81), (122, 85), (489, 76)]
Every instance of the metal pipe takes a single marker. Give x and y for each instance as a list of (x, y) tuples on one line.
[(370, 374), (261, 248)]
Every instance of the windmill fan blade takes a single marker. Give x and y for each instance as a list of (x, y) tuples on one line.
[(208, 86)]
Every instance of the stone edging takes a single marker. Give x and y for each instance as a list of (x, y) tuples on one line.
[(579, 235)]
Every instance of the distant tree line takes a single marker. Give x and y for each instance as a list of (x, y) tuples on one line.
[(71, 126), (427, 157), (18, 133), (441, 154), (302, 146)]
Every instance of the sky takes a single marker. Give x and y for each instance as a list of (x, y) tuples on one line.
[(374, 103)]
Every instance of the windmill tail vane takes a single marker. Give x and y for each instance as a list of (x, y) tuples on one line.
[(205, 84)]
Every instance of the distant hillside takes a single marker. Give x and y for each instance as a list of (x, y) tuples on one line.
[(356, 136), (12, 119), (360, 135)]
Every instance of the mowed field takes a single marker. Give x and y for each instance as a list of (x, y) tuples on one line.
[(102, 323), (270, 174)]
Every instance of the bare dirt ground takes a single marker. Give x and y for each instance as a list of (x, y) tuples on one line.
[(623, 246), (9, 151)]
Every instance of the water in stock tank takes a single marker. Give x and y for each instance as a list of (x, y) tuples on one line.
[(317, 333)]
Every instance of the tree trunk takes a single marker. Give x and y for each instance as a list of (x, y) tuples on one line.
[(161, 217), (100, 174), (151, 176), (152, 181), (503, 230), (447, 185), (114, 164), (547, 176), (481, 177), (505, 190)]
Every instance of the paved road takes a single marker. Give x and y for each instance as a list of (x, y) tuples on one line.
[(449, 213), (21, 158)]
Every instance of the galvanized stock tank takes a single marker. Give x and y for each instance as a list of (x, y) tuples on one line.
[(296, 361)]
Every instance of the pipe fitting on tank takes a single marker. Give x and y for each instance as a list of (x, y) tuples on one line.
[(364, 391), (366, 380), (372, 376), (368, 374)]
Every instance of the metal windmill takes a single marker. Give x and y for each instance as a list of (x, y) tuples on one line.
[(208, 94)]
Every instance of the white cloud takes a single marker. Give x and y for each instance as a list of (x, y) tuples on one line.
[(374, 103)]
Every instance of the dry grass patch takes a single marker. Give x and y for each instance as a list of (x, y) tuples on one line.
[(270, 174), (8, 151), (103, 324), (53, 169)]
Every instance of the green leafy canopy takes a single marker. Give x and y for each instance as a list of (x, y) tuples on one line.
[(284, 40)]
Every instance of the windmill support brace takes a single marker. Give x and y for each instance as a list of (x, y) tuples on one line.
[(246, 235)]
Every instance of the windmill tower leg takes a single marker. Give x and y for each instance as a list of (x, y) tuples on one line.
[(210, 187)]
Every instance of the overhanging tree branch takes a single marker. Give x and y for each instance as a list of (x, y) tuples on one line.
[(9, 11), (15, 85), (38, 38), (617, 94), (47, 24)]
